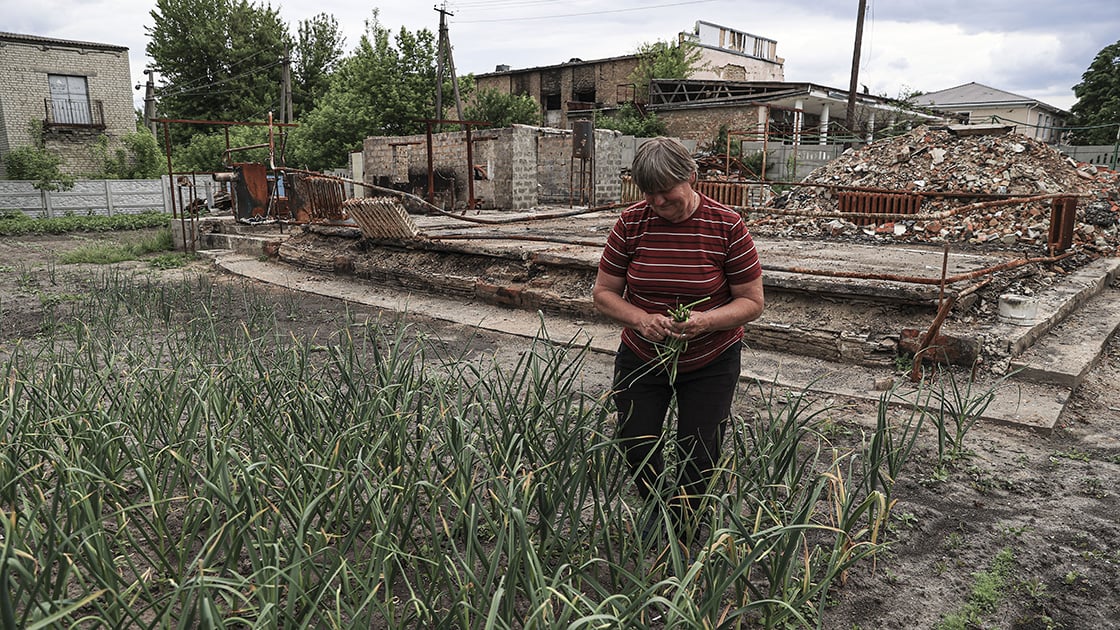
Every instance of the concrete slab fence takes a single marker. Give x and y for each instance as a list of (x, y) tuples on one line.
[(104, 197)]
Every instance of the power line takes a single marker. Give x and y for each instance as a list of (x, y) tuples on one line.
[(503, 4), (188, 90), (553, 17)]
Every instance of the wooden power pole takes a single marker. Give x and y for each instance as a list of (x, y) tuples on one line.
[(443, 56), (286, 114), (851, 115)]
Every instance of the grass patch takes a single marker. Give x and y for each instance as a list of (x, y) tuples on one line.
[(988, 590), (107, 253), (173, 260)]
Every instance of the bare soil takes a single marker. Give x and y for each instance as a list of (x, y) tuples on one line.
[(1052, 500)]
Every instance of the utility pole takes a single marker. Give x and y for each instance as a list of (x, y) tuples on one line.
[(851, 115), (443, 54), (286, 114), (150, 101)]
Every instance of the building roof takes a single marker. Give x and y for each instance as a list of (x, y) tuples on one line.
[(976, 95), (574, 61), (48, 41)]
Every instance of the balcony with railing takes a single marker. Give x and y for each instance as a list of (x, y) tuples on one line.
[(74, 113)]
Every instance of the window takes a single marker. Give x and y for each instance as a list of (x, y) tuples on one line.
[(69, 100)]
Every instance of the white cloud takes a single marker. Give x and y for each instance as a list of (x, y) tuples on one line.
[(1036, 48)]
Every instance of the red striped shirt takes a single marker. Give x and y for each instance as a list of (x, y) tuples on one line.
[(669, 264)]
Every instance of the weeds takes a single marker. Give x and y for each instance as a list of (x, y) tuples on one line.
[(112, 253), (989, 588)]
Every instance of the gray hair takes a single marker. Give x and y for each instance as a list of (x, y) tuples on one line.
[(660, 164)]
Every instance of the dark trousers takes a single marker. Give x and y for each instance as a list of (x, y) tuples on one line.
[(703, 407)]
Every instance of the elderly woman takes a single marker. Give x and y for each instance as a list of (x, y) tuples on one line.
[(676, 248)]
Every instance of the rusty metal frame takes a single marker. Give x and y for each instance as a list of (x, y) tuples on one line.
[(166, 123), (467, 125)]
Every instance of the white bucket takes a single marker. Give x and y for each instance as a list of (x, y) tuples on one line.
[(1018, 309)]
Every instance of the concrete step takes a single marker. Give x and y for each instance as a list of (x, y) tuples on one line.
[(1068, 351)]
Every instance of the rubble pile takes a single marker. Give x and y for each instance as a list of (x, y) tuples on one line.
[(948, 167)]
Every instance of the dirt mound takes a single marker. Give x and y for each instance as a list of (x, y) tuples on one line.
[(965, 182)]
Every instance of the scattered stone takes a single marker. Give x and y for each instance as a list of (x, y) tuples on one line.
[(931, 160)]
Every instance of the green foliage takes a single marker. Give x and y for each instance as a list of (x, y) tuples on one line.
[(204, 151), (663, 60), (136, 156), (217, 59), (38, 165), (988, 590), (174, 260), (317, 53), (502, 110), (105, 254), (384, 88), (1098, 99), (630, 121), (16, 223)]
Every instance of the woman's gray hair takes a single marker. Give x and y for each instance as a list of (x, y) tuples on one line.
[(660, 164)]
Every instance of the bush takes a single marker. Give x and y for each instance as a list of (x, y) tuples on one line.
[(137, 156), (631, 122), (39, 165), (15, 223)]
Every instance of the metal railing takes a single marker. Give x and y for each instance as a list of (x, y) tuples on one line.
[(74, 113)]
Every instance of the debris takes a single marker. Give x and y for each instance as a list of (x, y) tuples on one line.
[(951, 169)]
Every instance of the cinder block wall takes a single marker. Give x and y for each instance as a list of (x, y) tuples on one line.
[(560, 177), (523, 167), (24, 66)]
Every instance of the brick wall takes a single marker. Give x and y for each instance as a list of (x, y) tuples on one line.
[(602, 78), (25, 62), (703, 125)]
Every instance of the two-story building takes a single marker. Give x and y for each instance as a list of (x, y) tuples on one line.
[(573, 89), (977, 103), (74, 91)]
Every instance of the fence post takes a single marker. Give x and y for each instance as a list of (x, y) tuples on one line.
[(108, 196), (46, 194), (164, 189)]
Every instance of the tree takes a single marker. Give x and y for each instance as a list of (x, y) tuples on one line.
[(204, 151), (664, 60), (1097, 109), (381, 89), (630, 121), (502, 110), (317, 53), (217, 59)]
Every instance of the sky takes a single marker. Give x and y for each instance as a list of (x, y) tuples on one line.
[(1034, 48)]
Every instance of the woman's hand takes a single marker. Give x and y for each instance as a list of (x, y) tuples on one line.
[(698, 323), (656, 327)]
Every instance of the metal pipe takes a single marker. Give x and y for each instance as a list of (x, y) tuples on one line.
[(927, 342), (514, 237), (470, 169), (440, 211)]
